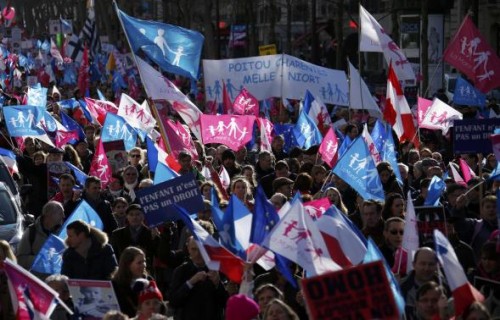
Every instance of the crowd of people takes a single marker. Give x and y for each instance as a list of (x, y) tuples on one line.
[(159, 272)]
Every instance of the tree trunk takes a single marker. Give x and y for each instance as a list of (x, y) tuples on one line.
[(424, 50), (289, 26), (339, 35), (395, 20), (210, 44), (272, 21)]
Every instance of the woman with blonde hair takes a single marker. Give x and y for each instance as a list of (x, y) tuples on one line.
[(333, 194), (277, 309)]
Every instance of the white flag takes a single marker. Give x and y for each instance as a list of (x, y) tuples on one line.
[(410, 235), (137, 115), (359, 95), (440, 116), (375, 39), (297, 238)]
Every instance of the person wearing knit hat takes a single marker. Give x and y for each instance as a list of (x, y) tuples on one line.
[(150, 302), (241, 307)]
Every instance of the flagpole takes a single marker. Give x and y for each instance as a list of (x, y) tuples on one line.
[(153, 106), (359, 65), (281, 86), (432, 78)]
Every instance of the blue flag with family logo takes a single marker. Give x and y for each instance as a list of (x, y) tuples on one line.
[(174, 49), (85, 213), (24, 121), (357, 168), (49, 258), (37, 96), (466, 94), (306, 132), (48, 122), (117, 128)]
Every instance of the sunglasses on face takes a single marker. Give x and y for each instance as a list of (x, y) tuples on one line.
[(135, 155)]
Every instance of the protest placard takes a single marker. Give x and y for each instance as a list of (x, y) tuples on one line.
[(360, 292), (473, 135), (428, 219), (116, 153), (156, 200), (92, 298)]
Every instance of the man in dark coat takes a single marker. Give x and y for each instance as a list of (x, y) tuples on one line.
[(89, 256), (195, 291), (92, 194)]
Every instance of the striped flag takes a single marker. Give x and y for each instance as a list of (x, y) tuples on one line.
[(89, 34)]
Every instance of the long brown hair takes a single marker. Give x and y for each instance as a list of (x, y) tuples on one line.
[(123, 274)]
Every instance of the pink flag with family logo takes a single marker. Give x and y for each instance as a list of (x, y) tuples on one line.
[(98, 109), (470, 53), (179, 138), (231, 130), (317, 207), (100, 166), (246, 104), (329, 147), (423, 106)]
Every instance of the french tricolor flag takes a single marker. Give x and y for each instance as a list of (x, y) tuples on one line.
[(216, 257), (463, 292), (10, 160)]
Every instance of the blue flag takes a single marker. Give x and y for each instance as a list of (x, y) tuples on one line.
[(436, 188), (466, 94), (383, 140), (174, 49), (306, 132), (357, 168), (79, 174), (117, 128), (48, 122), (373, 254), (101, 96), (265, 217), (152, 154), (85, 213), (71, 125), (118, 82), (495, 174), (24, 121), (227, 228), (68, 103), (163, 173), (49, 258), (69, 75), (344, 145)]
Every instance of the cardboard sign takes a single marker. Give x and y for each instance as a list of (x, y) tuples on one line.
[(156, 200), (473, 135), (428, 219), (92, 298), (116, 153), (267, 50), (360, 292)]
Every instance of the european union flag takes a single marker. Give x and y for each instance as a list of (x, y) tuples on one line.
[(436, 188), (306, 132), (357, 168), (383, 140), (466, 94), (49, 258), (117, 128), (265, 217), (79, 174), (23, 121), (286, 130), (174, 49), (373, 254), (85, 213)]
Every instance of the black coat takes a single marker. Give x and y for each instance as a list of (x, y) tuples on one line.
[(203, 301), (122, 238), (103, 209), (99, 264)]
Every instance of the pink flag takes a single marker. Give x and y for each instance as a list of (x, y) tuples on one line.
[(233, 131), (54, 52), (316, 208), (266, 130), (30, 296), (400, 262), (470, 53), (63, 137), (422, 106), (456, 176), (211, 107), (83, 73), (179, 138), (328, 148), (246, 104), (466, 170), (100, 166), (495, 140), (98, 109)]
